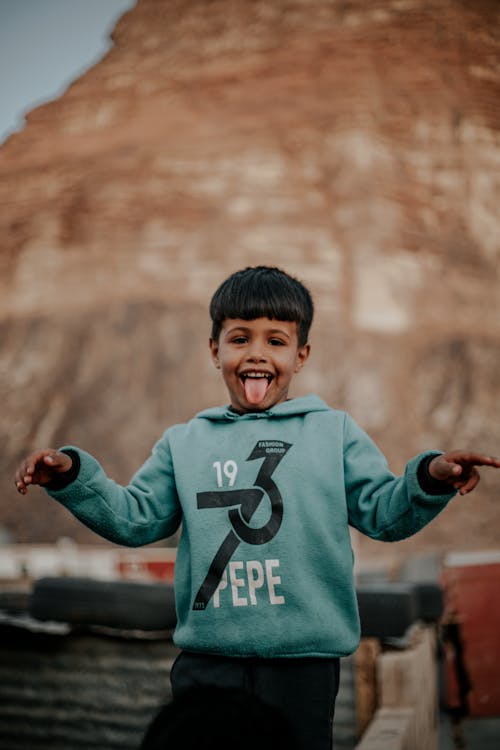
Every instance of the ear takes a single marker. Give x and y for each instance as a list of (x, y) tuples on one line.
[(302, 356), (214, 351)]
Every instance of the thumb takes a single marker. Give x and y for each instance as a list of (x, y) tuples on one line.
[(57, 461), (443, 467)]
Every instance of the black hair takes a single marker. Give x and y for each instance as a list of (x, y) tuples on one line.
[(262, 292)]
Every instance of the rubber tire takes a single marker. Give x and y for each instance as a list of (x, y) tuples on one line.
[(125, 605), (430, 601), (386, 610)]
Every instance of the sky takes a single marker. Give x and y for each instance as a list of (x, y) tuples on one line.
[(44, 46)]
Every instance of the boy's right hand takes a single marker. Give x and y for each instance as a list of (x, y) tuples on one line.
[(40, 468)]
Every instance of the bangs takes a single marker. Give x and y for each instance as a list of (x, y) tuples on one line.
[(260, 299)]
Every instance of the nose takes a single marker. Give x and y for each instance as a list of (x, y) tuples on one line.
[(256, 352)]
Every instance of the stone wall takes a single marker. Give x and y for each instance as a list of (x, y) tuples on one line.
[(80, 690), (355, 144)]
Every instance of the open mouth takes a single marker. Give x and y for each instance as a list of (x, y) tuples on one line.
[(256, 384)]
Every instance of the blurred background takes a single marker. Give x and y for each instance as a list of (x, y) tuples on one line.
[(354, 144)]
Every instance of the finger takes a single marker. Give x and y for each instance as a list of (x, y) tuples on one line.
[(20, 486), (32, 461), (471, 482), (480, 460), (477, 459), (19, 481), (491, 461), (29, 471), (35, 462)]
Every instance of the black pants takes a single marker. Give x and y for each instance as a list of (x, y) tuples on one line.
[(303, 690)]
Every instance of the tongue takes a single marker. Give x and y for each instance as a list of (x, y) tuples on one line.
[(255, 390)]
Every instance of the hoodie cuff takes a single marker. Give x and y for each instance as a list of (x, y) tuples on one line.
[(427, 482), (63, 480)]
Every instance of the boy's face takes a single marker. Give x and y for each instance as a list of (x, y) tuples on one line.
[(258, 359)]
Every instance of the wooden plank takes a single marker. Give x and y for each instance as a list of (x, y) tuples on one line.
[(365, 661)]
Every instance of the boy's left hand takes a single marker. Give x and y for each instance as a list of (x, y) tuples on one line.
[(458, 468)]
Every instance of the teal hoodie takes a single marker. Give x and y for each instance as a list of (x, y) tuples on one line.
[(264, 564)]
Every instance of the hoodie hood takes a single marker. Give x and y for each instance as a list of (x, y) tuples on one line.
[(291, 408)]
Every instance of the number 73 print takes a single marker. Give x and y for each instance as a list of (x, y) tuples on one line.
[(242, 505)]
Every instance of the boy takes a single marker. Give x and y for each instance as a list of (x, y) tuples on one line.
[(265, 489)]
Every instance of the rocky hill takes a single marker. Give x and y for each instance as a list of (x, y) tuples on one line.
[(355, 144)]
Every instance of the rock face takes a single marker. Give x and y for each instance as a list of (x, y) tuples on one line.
[(355, 144)]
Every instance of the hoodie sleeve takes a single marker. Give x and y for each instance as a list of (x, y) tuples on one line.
[(145, 511), (380, 504)]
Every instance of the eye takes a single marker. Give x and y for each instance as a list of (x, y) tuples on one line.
[(276, 342), (239, 340)]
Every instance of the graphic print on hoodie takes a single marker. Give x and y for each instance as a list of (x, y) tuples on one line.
[(243, 504)]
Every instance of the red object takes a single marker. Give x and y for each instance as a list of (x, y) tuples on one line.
[(147, 566), (472, 600)]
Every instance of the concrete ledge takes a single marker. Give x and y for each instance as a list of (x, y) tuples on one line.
[(406, 718), (389, 730)]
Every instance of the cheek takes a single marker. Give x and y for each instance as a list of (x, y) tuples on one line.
[(228, 371)]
